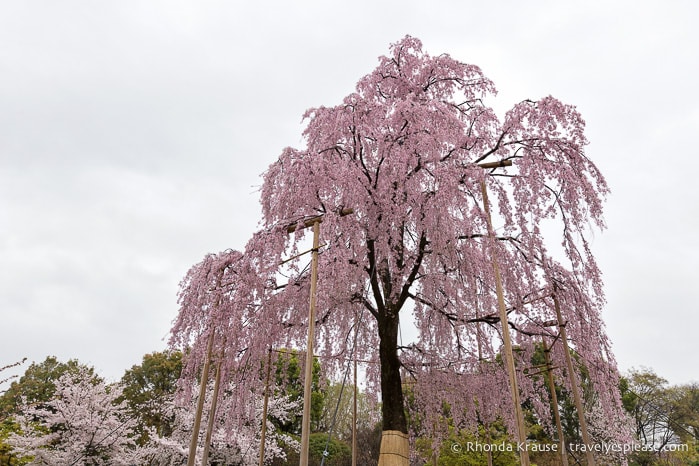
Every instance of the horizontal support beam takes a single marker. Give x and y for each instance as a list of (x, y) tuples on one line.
[(309, 222), (499, 163)]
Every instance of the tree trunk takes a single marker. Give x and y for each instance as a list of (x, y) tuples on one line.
[(394, 439), (392, 407)]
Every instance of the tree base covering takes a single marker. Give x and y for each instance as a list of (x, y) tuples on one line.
[(395, 449)]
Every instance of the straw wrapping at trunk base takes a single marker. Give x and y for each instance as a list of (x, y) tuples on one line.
[(395, 449)]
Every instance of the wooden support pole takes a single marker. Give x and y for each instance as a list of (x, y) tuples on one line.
[(200, 402), (314, 222), (486, 426), (212, 414), (509, 358), (554, 404), (488, 440), (574, 384), (354, 403), (435, 448), (265, 405), (307, 383)]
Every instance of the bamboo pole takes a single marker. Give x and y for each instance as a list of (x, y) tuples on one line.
[(200, 402), (554, 404), (212, 414), (265, 406), (574, 385), (307, 383), (509, 358)]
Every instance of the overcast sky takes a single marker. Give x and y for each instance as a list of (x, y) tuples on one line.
[(133, 134)]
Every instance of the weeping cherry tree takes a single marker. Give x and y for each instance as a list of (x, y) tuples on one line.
[(413, 153)]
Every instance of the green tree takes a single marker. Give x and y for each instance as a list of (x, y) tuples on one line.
[(7, 457), (338, 452), (662, 415), (467, 448), (337, 398), (7, 425), (289, 382), (652, 407), (149, 387), (37, 384), (684, 418), (628, 398)]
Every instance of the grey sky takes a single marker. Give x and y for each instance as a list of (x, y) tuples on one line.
[(133, 134)]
